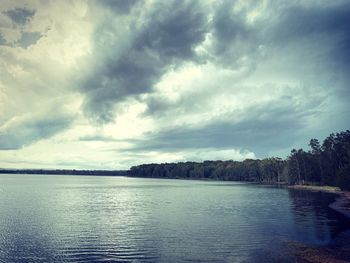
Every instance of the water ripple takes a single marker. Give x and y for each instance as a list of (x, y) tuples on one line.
[(106, 219)]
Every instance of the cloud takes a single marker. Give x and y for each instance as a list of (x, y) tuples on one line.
[(29, 38), (24, 130), (234, 39), (25, 40), (322, 30), (232, 36), (153, 46), (116, 83), (96, 137), (20, 16), (260, 129), (36, 98), (118, 6), (2, 40), (18, 33), (297, 22)]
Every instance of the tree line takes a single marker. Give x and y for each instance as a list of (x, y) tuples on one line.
[(323, 164)]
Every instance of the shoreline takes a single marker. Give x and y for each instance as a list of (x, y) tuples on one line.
[(339, 253), (341, 203)]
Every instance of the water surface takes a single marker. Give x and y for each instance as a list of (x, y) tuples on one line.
[(46, 218)]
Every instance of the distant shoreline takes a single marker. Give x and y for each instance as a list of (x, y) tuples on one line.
[(65, 172)]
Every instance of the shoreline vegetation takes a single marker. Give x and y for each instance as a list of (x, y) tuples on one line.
[(326, 164)]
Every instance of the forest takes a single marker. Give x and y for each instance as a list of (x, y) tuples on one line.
[(323, 164)]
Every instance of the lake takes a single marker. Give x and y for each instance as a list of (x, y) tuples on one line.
[(53, 218)]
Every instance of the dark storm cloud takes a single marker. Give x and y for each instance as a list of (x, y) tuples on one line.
[(314, 38), (320, 36), (233, 36), (302, 25), (29, 131), (168, 38), (330, 24), (298, 22), (20, 15), (174, 31), (262, 129), (118, 6), (323, 33)]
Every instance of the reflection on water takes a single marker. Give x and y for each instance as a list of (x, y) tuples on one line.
[(312, 208), (95, 219)]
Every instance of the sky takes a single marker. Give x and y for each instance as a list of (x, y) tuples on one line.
[(111, 84)]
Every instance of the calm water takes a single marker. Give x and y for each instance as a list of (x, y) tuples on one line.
[(106, 219)]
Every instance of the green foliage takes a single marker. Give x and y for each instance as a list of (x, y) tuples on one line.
[(326, 164), (343, 178)]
